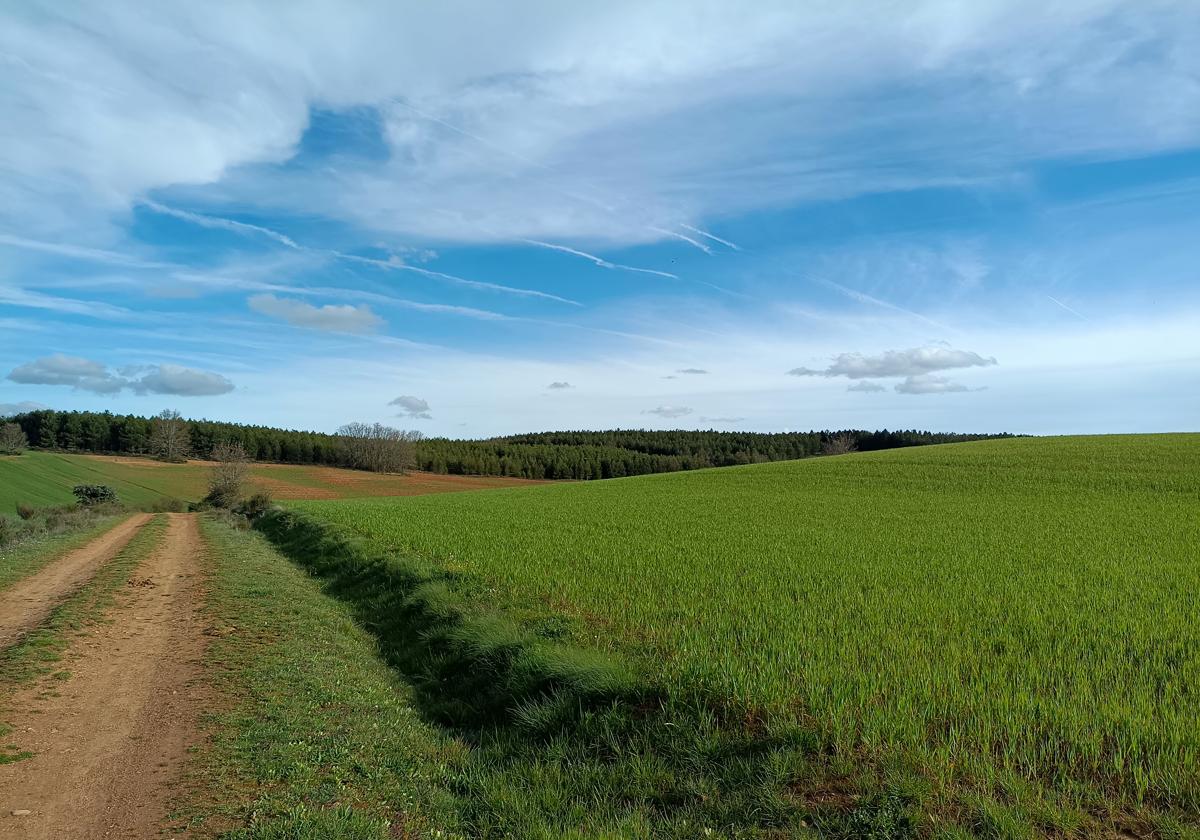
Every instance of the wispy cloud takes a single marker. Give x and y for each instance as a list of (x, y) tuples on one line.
[(669, 412), (558, 386), (927, 383)]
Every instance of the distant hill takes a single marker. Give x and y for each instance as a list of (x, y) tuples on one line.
[(577, 455)]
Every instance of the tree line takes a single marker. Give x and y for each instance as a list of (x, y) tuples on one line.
[(577, 455)]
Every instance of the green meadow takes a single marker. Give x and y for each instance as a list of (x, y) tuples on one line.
[(1002, 633)]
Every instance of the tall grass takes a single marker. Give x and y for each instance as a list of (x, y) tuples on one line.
[(1011, 622)]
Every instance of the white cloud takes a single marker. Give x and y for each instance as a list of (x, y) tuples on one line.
[(559, 386), (179, 381), (73, 371), (927, 383), (576, 121), (336, 318), (669, 411), (88, 375), (412, 407), (9, 409), (914, 362), (692, 371), (866, 387)]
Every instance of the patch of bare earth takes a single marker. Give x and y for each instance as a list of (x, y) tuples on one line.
[(109, 742), (27, 603)]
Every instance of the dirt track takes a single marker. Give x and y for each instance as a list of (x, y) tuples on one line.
[(109, 740), (25, 604)]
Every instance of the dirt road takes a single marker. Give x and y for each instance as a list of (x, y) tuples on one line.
[(25, 604), (109, 741)]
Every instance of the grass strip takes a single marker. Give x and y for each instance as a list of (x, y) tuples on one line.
[(313, 737)]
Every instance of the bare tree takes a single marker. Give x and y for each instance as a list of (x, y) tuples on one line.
[(378, 448), (12, 439), (228, 474), (169, 436), (839, 444)]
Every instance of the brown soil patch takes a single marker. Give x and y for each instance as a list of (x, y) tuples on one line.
[(25, 604), (109, 741)]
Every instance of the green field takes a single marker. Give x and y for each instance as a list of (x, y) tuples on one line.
[(43, 479), (1011, 623)]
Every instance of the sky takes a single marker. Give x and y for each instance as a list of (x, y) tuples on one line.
[(475, 218)]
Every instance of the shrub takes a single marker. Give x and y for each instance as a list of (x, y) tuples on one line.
[(255, 506), (228, 475), (8, 531), (25, 511), (168, 504), (90, 495)]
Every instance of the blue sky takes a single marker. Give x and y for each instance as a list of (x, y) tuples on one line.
[(479, 219)]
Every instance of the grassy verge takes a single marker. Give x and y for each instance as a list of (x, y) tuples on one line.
[(571, 743), (312, 737), (39, 653), (28, 555)]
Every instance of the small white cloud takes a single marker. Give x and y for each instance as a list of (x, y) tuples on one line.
[(9, 409), (335, 318), (181, 382), (87, 375), (930, 384), (913, 362), (669, 411), (72, 371), (692, 371), (866, 386), (559, 386), (412, 407)]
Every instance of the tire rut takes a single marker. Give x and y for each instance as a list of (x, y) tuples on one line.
[(28, 602), (110, 741)]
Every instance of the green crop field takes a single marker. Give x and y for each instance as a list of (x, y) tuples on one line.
[(1014, 623), (43, 479)]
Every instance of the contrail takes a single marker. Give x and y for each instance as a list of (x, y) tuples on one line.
[(80, 253), (1069, 309), (865, 298), (218, 222), (694, 242), (705, 233), (600, 261), (242, 227), (461, 281)]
